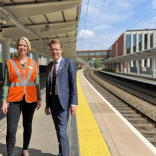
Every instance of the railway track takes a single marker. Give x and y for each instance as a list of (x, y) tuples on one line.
[(130, 88), (141, 120)]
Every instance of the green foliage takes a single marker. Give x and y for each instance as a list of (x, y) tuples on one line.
[(0, 60), (11, 55), (87, 59), (91, 64), (97, 63)]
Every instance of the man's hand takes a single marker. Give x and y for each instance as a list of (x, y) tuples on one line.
[(73, 110), (47, 111), (5, 107), (38, 105)]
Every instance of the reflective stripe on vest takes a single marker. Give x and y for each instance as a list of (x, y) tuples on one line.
[(21, 83), (22, 80)]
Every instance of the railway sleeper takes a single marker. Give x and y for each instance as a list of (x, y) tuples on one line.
[(143, 126), (150, 135), (137, 121), (133, 117), (129, 112), (126, 109), (121, 105)]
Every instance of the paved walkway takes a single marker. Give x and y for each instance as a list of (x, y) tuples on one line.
[(120, 139), (43, 142)]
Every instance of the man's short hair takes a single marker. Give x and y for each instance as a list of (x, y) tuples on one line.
[(26, 40), (55, 41)]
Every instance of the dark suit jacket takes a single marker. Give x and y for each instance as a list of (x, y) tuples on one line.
[(65, 83)]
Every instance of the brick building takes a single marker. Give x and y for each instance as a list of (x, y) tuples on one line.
[(93, 54)]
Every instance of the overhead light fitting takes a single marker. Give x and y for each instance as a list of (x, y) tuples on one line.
[(19, 25), (47, 28)]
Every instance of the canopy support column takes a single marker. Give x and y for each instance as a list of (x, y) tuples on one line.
[(138, 67), (121, 67), (153, 67), (5, 53), (128, 66), (48, 60), (36, 59)]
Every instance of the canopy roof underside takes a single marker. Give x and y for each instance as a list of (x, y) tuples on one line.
[(149, 53), (41, 21)]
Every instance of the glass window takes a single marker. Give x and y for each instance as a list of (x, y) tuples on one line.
[(85, 54), (79, 54), (128, 44), (134, 43), (98, 53), (13, 52), (145, 62), (139, 63), (151, 40), (105, 53), (140, 42), (33, 56), (145, 43), (134, 63), (92, 53), (28, 54)]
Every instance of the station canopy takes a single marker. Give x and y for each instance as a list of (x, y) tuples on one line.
[(41, 21), (145, 54)]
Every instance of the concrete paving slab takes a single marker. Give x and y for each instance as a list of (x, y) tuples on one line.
[(43, 141)]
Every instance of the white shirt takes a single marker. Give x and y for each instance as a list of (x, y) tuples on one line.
[(51, 73)]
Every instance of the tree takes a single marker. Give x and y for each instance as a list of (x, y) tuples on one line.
[(97, 63), (90, 63)]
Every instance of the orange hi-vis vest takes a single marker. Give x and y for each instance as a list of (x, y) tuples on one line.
[(22, 81)]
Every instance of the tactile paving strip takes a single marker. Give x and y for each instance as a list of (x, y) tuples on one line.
[(91, 141)]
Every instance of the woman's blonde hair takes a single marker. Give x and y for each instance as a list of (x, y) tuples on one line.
[(26, 40)]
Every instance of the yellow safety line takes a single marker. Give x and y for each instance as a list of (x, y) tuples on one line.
[(91, 141)]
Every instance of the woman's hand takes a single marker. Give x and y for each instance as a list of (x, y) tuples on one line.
[(5, 107), (38, 105)]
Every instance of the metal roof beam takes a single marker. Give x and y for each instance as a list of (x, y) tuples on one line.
[(21, 10)]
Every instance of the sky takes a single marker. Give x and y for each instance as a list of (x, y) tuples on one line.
[(102, 28)]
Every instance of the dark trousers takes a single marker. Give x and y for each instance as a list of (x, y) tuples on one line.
[(60, 118), (14, 111)]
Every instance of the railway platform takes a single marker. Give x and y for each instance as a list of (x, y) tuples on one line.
[(140, 78), (121, 138), (97, 129)]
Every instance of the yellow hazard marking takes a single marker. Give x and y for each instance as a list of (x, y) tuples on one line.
[(91, 141)]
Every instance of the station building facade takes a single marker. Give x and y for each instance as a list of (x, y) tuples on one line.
[(132, 41), (93, 54)]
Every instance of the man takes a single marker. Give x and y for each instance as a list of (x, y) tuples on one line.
[(61, 93)]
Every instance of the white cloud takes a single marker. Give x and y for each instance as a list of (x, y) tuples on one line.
[(102, 27), (86, 34), (154, 19), (154, 4)]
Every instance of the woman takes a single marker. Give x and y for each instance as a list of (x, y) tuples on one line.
[(21, 93)]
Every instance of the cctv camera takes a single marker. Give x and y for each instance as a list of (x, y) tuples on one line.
[(2, 21)]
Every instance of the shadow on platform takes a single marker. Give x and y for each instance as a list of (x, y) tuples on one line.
[(18, 151)]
